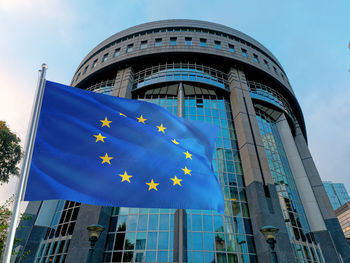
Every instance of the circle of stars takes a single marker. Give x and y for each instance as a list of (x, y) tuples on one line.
[(125, 177)]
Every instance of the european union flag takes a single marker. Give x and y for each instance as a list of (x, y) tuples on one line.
[(110, 151)]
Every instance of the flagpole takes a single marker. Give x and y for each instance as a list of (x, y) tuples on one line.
[(26, 163), (180, 215)]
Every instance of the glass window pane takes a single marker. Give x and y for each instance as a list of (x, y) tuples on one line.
[(153, 222), (142, 222), (162, 256), (197, 241), (152, 240), (196, 223), (208, 239), (151, 256), (164, 222), (141, 240), (130, 241), (163, 240)]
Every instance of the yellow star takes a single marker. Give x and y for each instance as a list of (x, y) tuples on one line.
[(188, 155), (106, 159), (152, 185), (174, 141), (141, 119), (105, 122), (122, 114), (176, 180), (125, 177), (161, 128), (99, 137), (187, 171)]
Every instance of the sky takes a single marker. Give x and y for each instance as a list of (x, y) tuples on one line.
[(309, 38)]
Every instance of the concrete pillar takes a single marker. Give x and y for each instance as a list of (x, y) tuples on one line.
[(312, 211), (264, 205), (123, 83), (334, 235)]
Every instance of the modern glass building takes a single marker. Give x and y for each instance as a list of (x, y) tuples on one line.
[(337, 194), (210, 73)]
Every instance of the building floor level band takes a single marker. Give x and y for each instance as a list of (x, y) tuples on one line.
[(262, 160)]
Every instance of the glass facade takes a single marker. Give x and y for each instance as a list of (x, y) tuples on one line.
[(337, 194), (304, 247), (146, 235), (54, 246)]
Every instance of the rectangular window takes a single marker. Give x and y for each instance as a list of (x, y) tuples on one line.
[(94, 63), (256, 58), (85, 69), (203, 42), (77, 77), (275, 69), (173, 41), (244, 53), (105, 57), (129, 48), (282, 76), (116, 52), (217, 44), (266, 64), (158, 42), (143, 44), (231, 48), (188, 41)]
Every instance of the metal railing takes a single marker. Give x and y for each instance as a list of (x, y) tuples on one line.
[(180, 72)]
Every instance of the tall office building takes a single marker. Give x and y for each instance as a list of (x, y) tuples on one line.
[(337, 194), (212, 73), (343, 214)]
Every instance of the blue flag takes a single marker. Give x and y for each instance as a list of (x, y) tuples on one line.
[(110, 151)]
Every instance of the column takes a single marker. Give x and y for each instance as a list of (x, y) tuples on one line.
[(263, 202), (123, 83), (334, 235)]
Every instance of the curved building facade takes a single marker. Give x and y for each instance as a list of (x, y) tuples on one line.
[(211, 73)]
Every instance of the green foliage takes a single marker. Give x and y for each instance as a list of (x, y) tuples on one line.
[(5, 219), (10, 153)]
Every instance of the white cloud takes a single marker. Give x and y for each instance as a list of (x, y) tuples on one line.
[(38, 9)]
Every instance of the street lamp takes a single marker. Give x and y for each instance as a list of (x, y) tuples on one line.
[(94, 233), (269, 233)]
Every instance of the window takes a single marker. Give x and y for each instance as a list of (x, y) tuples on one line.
[(266, 64), (173, 41), (105, 57), (188, 41), (203, 42), (217, 44), (158, 42), (77, 77), (116, 52), (85, 69), (275, 69), (256, 58), (244, 53), (231, 48), (281, 76), (94, 63), (129, 48), (143, 44)]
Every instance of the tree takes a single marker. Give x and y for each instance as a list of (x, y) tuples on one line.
[(5, 219), (10, 153)]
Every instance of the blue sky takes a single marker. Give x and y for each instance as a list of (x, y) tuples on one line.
[(309, 38)]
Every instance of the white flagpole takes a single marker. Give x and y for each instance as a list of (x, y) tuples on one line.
[(26, 163)]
